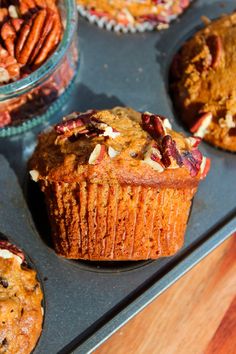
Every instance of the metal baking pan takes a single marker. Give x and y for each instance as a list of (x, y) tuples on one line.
[(86, 302)]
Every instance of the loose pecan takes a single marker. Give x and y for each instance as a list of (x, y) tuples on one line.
[(49, 22), (33, 37), (23, 35), (26, 5), (50, 37), (10, 69), (8, 34)]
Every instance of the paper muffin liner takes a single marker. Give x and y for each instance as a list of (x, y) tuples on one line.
[(112, 25), (116, 222)]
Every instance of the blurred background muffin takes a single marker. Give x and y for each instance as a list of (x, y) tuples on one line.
[(203, 85), (131, 15)]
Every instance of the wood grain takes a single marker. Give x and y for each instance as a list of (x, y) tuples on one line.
[(196, 315)]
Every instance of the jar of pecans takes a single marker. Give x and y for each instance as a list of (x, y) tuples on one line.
[(38, 60)]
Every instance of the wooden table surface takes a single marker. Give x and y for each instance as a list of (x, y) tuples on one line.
[(194, 316)]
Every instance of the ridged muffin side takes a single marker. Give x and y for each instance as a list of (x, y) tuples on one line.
[(118, 222)]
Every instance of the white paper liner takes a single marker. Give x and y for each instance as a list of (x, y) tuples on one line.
[(112, 25)]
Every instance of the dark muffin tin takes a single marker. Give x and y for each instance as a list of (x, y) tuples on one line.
[(86, 302)]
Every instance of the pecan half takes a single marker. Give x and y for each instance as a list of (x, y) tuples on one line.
[(49, 22), (8, 34), (33, 37), (26, 5), (50, 37), (5, 245), (23, 35), (70, 125), (3, 14)]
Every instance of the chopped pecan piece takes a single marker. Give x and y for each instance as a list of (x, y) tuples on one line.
[(192, 161), (3, 283), (4, 245), (33, 37), (153, 124), (200, 127), (153, 159), (215, 46), (9, 68), (3, 14), (51, 38), (205, 167), (17, 23), (169, 150), (97, 154), (8, 34)]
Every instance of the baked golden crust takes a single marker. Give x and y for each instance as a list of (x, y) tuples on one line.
[(132, 204), (131, 12), (21, 313), (202, 81)]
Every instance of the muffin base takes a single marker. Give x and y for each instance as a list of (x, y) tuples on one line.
[(116, 222)]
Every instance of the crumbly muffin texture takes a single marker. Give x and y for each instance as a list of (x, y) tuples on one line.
[(21, 313), (203, 85), (118, 184)]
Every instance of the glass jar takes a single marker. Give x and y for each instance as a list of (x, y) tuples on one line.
[(34, 99)]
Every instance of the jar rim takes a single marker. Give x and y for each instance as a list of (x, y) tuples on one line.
[(13, 89)]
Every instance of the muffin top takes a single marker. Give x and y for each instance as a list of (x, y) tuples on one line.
[(118, 146), (203, 85), (20, 302)]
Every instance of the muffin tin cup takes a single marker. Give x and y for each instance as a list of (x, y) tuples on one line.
[(86, 301)]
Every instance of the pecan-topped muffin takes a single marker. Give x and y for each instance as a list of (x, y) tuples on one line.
[(21, 313), (203, 85), (118, 184), (135, 14)]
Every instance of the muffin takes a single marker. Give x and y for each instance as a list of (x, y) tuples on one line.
[(21, 314), (203, 85), (130, 15), (118, 184)]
